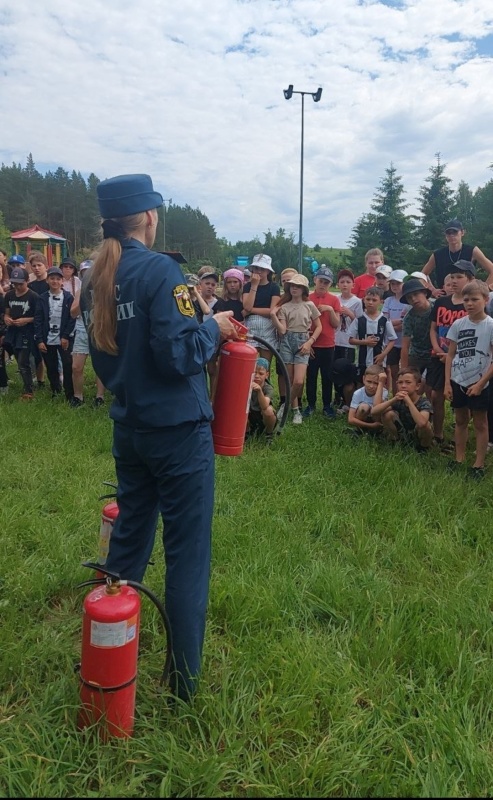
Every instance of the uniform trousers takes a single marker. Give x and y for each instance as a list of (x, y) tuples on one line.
[(168, 471)]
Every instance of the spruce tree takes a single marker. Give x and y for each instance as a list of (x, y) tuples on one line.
[(393, 226), (436, 207)]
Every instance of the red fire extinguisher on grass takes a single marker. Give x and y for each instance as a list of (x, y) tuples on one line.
[(231, 401), (110, 642)]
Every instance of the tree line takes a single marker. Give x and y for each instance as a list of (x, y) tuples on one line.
[(66, 203)]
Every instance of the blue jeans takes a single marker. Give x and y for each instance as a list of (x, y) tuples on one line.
[(171, 471)]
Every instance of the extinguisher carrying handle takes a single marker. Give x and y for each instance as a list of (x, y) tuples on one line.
[(113, 577), (109, 496)]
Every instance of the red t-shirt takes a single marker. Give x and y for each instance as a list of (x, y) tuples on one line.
[(328, 336), (362, 283)]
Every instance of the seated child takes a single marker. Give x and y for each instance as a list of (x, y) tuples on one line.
[(360, 410), (406, 416), (262, 416)]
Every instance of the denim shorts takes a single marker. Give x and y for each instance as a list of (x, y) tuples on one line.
[(290, 345)]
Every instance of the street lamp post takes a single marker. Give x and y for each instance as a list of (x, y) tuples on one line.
[(288, 93), (164, 220)]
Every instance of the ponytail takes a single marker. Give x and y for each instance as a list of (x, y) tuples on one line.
[(102, 327)]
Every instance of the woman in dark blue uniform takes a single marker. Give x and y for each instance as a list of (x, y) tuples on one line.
[(149, 351)]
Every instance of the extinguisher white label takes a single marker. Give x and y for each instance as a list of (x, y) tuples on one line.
[(113, 634)]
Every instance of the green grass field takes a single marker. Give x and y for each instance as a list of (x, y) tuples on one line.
[(349, 644)]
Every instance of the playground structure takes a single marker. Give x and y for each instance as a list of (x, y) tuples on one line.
[(53, 246)]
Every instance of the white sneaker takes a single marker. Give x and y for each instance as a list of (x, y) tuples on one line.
[(297, 418), (280, 412)]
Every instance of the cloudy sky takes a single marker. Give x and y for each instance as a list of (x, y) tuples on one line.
[(192, 93)]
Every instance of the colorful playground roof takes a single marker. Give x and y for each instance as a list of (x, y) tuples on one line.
[(39, 234)]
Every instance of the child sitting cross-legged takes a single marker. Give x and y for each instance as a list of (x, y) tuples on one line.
[(406, 416), (261, 416), (360, 410)]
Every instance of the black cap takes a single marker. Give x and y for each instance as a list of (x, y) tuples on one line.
[(71, 262), (464, 266), (413, 285), (454, 225)]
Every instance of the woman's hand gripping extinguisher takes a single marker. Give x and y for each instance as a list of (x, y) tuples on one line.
[(110, 642), (231, 401)]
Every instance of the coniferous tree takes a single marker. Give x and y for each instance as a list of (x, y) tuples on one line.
[(463, 206), (393, 227), (435, 205), (364, 236)]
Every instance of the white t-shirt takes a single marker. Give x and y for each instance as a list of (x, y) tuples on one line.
[(360, 396), (372, 328), (394, 309), (474, 349), (342, 331), (55, 303)]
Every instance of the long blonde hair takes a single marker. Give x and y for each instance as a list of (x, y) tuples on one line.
[(102, 327)]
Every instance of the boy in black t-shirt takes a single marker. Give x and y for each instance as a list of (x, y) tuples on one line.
[(443, 260), (20, 308), (445, 311)]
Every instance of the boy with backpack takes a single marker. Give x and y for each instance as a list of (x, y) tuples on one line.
[(373, 333)]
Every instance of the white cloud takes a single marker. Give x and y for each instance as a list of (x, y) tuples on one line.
[(192, 94)]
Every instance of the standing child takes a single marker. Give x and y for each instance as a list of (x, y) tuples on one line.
[(20, 308), (395, 311), (260, 296), (231, 299), (382, 280), (53, 333), (406, 416), (286, 274), (373, 333), (261, 416), (445, 311), (416, 342), (373, 259), (345, 353), (322, 353), (293, 319), (468, 370)]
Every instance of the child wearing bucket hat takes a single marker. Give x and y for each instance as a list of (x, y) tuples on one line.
[(295, 316), (260, 296), (416, 342)]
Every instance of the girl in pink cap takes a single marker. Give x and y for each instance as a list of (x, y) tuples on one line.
[(231, 299)]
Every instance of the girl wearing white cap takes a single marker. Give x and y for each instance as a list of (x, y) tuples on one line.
[(260, 296)]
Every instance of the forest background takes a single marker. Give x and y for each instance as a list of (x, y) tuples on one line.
[(66, 203)]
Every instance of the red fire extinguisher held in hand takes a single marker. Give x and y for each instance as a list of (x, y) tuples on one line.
[(231, 401), (110, 641)]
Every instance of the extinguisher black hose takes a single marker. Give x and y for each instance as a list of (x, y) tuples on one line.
[(168, 663), (282, 365)]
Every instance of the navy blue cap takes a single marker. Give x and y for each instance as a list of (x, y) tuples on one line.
[(127, 194), (324, 272), (454, 225), (17, 260), (55, 271), (19, 275)]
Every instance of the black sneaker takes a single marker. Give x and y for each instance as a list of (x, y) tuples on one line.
[(475, 473), (98, 401), (453, 465), (75, 402)]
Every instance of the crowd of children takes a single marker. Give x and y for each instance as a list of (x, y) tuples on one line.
[(41, 328), (391, 348)]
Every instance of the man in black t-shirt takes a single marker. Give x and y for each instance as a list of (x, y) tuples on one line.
[(443, 260)]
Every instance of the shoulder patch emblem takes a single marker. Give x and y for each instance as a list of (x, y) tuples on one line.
[(183, 301)]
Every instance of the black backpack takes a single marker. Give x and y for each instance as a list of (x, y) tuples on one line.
[(362, 328)]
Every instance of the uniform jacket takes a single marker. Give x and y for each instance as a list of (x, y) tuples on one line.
[(42, 318), (158, 377)]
